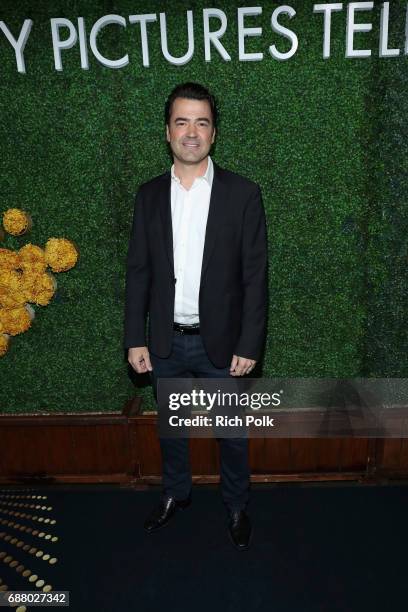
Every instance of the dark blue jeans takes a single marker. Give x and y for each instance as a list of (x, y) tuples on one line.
[(189, 359)]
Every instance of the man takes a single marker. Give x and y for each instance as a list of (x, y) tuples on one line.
[(197, 265)]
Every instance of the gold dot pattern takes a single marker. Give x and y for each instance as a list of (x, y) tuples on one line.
[(34, 532), (26, 574), (32, 550), (20, 505), (11, 506), (6, 494), (33, 517)]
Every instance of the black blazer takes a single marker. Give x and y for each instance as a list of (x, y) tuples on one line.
[(233, 287)]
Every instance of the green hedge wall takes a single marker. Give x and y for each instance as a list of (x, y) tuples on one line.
[(326, 139)]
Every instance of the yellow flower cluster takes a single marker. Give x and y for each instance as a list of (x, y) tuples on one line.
[(16, 221), (24, 276), (60, 254)]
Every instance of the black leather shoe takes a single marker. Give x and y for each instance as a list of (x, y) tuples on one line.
[(240, 529), (163, 513)]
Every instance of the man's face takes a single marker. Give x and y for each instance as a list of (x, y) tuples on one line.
[(190, 131)]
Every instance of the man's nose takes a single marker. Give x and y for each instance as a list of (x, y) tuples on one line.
[(192, 130)]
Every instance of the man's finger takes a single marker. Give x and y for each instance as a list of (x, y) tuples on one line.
[(240, 366), (234, 363), (147, 363), (249, 368), (140, 367), (235, 366)]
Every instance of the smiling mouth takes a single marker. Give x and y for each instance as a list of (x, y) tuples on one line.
[(191, 145)]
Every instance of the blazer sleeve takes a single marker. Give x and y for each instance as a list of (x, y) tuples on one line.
[(254, 279), (138, 278)]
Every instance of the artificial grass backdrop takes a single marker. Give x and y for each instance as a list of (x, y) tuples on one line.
[(327, 140)]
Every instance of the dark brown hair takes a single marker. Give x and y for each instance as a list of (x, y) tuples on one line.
[(192, 91)]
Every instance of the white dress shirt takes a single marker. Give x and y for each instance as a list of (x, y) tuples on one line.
[(189, 212)]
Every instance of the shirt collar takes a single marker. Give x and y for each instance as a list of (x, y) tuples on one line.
[(208, 175)]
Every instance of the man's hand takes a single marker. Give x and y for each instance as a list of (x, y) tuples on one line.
[(139, 359), (241, 366)]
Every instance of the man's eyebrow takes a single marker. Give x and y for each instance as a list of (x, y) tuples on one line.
[(186, 119)]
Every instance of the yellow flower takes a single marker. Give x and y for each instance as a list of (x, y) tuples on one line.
[(39, 287), (32, 258), (16, 320), (60, 254), (9, 260), (16, 221), (11, 289), (4, 342)]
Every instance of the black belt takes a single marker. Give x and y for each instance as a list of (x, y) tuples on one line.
[(186, 329)]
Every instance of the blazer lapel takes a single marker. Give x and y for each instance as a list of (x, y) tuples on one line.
[(219, 192), (215, 214), (165, 213)]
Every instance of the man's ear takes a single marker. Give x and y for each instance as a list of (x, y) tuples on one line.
[(213, 136), (167, 133)]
